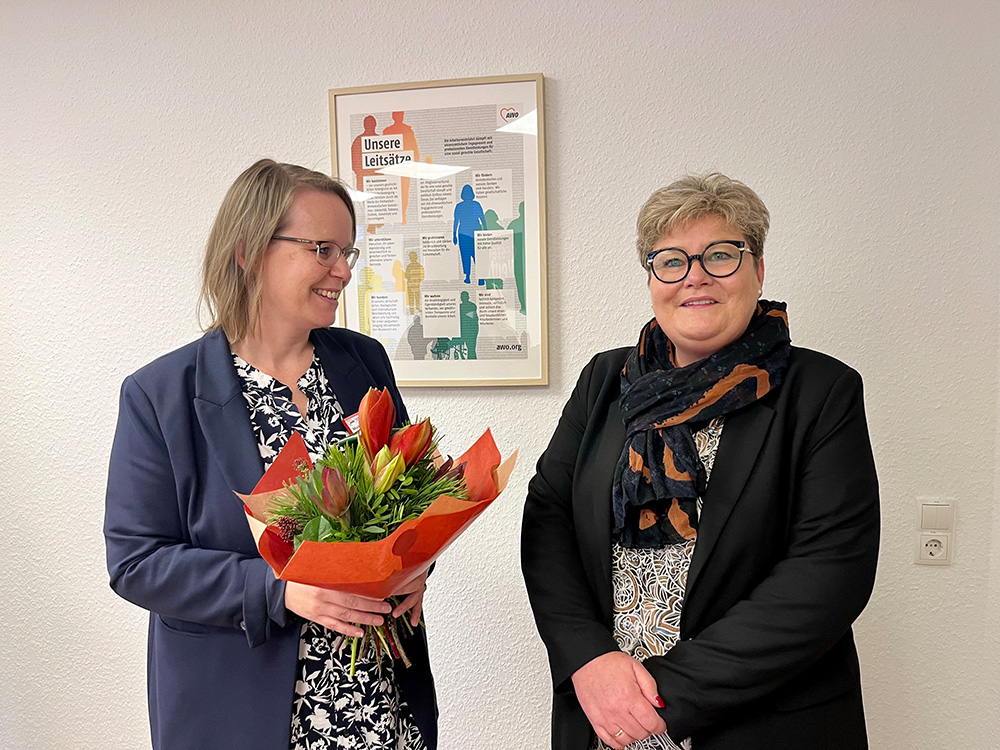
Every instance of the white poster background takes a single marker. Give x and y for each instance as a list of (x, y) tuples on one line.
[(386, 314), (382, 252), (494, 189), (385, 204), (441, 256), (440, 318)]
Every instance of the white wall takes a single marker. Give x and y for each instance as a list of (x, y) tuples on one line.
[(869, 128)]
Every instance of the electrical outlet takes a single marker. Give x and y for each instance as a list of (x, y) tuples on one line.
[(934, 548)]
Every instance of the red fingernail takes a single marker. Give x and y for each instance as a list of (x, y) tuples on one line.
[(659, 702)]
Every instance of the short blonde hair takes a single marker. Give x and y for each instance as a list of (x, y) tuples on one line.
[(695, 196), (252, 211)]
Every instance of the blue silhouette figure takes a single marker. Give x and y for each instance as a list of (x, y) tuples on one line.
[(468, 219)]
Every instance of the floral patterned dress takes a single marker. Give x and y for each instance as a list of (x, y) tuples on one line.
[(330, 708), (649, 589)]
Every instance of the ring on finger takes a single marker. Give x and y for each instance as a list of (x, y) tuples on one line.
[(619, 733)]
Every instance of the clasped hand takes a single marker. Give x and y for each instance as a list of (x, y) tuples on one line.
[(344, 612), (618, 695)]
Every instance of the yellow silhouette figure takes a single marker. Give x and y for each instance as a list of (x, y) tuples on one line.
[(399, 127), (368, 282), (414, 276), (397, 274)]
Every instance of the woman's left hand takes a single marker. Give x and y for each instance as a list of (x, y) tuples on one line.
[(414, 600), (619, 698)]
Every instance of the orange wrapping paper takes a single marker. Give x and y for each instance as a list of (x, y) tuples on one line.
[(375, 569)]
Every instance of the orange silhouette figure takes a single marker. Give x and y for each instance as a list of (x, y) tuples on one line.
[(356, 163), (399, 127)]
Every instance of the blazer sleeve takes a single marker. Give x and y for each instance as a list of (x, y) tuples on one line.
[(808, 601), (151, 558), (566, 611)]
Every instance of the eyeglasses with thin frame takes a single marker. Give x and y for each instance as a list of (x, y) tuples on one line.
[(327, 253), (720, 259)]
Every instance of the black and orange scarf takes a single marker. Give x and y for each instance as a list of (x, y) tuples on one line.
[(659, 476)]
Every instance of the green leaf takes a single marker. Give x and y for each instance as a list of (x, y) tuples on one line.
[(325, 527), (311, 531)]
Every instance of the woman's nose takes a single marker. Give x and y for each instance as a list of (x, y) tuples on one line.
[(697, 274), (341, 269)]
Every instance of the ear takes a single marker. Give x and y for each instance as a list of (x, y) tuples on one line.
[(240, 258), (760, 271)]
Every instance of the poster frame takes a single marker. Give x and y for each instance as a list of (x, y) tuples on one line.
[(462, 372)]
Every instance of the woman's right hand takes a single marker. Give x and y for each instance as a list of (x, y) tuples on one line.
[(618, 695), (337, 610)]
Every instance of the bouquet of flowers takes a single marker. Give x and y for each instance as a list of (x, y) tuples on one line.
[(374, 513)]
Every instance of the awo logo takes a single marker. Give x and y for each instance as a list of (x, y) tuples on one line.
[(508, 114)]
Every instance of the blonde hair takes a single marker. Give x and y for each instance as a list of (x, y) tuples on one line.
[(252, 211), (696, 196)]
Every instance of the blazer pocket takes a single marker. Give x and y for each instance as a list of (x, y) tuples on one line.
[(186, 627), (795, 700)]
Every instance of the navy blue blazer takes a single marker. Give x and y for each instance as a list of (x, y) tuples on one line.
[(785, 562), (222, 648)]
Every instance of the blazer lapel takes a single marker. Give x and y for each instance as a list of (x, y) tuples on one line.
[(742, 437), (223, 416), (342, 370), (594, 507)]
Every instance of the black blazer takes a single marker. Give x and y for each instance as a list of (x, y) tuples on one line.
[(222, 647), (784, 563)]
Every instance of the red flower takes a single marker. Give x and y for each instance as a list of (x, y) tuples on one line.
[(450, 470), (336, 496), (412, 443), (375, 417)]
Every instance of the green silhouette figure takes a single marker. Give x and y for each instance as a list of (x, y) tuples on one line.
[(414, 275), (517, 227), (491, 222), (469, 318), (446, 348)]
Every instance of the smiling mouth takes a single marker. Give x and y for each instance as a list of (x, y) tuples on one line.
[(328, 293), (699, 303)]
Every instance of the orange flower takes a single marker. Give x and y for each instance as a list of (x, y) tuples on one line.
[(412, 443), (375, 417)]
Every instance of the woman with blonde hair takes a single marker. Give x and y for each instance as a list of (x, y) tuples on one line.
[(703, 527), (238, 659)]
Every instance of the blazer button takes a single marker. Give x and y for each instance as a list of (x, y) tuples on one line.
[(243, 625)]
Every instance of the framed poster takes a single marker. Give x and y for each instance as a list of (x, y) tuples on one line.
[(449, 186)]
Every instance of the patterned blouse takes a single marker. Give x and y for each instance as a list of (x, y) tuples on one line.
[(330, 708), (649, 589)]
